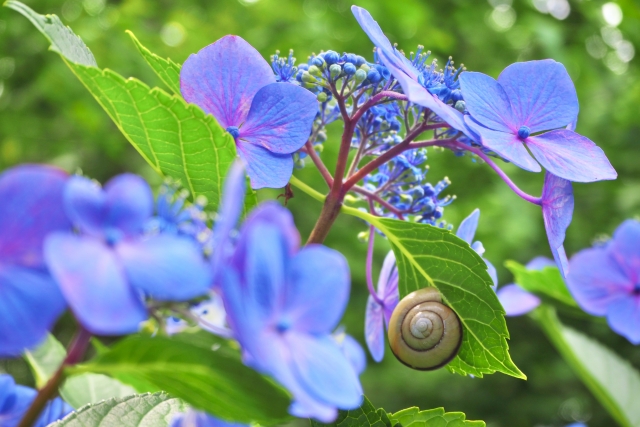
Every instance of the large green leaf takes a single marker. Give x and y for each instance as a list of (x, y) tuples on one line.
[(142, 410), (368, 416), (432, 256), (209, 380), (413, 417), (166, 69), (612, 380), (547, 281), (177, 139)]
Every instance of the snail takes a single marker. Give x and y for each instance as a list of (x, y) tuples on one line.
[(424, 333)]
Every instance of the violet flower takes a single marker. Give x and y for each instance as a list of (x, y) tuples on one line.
[(106, 271), (605, 280), (282, 304), (557, 211), (466, 231), (528, 98), (30, 301), (269, 121), (515, 300)]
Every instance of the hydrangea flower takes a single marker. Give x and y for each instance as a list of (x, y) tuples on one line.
[(30, 301), (557, 211), (515, 300), (380, 308), (268, 120), (282, 304), (414, 78), (351, 349), (605, 280), (106, 271), (193, 418), (466, 231), (15, 400), (528, 98)]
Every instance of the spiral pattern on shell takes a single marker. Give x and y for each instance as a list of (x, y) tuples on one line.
[(424, 333)]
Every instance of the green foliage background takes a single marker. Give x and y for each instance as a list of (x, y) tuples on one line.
[(47, 116)]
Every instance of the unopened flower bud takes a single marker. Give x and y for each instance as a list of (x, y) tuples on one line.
[(359, 61), (360, 76), (308, 78), (365, 67), (335, 71), (318, 62), (322, 97), (322, 136), (331, 57), (461, 106), (374, 76), (315, 71), (349, 69)]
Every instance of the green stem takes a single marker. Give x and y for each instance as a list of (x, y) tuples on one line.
[(547, 318)]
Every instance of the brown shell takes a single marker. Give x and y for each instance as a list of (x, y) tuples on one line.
[(424, 333)]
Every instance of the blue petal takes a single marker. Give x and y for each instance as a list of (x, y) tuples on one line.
[(542, 94), (223, 78), (539, 263), (623, 315), (228, 215), (374, 329), (94, 285), (317, 289), (625, 248), (516, 301), (506, 145), (86, 205), (487, 102), (388, 267), (372, 29), (571, 156), (468, 226), (265, 169), (354, 353), (193, 418), (17, 400), (55, 410), (166, 267), (493, 273), (280, 118), (272, 213), (129, 203), (596, 280), (32, 207), (323, 370), (30, 303), (557, 211)]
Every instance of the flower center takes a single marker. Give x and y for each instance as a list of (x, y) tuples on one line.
[(284, 324), (112, 236), (234, 131), (636, 289), (524, 132)]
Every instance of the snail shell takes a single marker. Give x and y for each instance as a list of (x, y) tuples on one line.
[(424, 333)]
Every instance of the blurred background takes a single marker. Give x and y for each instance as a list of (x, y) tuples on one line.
[(47, 116)]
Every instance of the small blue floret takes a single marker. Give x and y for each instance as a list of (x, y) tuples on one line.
[(524, 132), (331, 57), (349, 69), (234, 131)]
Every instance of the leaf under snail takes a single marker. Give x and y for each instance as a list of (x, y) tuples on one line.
[(424, 333)]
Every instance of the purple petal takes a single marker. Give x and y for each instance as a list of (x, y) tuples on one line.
[(407, 76), (223, 78), (507, 145), (571, 156), (265, 169), (388, 266), (94, 285), (596, 280), (487, 102), (623, 315), (323, 370), (30, 304), (317, 289), (31, 208), (542, 94), (557, 211), (625, 248), (167, 267), (516, 301), (372, 29), (280, 118), (493, 273), (55, 410), (374, 329), (468, 226), (86, 205), (540, 262), (228, 214), (129, 203)]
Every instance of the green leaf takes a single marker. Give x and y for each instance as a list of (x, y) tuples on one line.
[(211, 381), (547, 281), (413, 417), (45, 359), (611, 379), (432, 256), (87, 388), (177, 139), (166, 69), (143, 410), (365, 416)]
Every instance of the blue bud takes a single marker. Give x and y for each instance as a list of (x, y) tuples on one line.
[(383, 71), (349, 69), (374, 76), (335, 71), (524, 132), (318, 62), (303, 67), (331, 57), (394, 125), (360, 61), (349, 58), (456, 95), (234, 131)]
